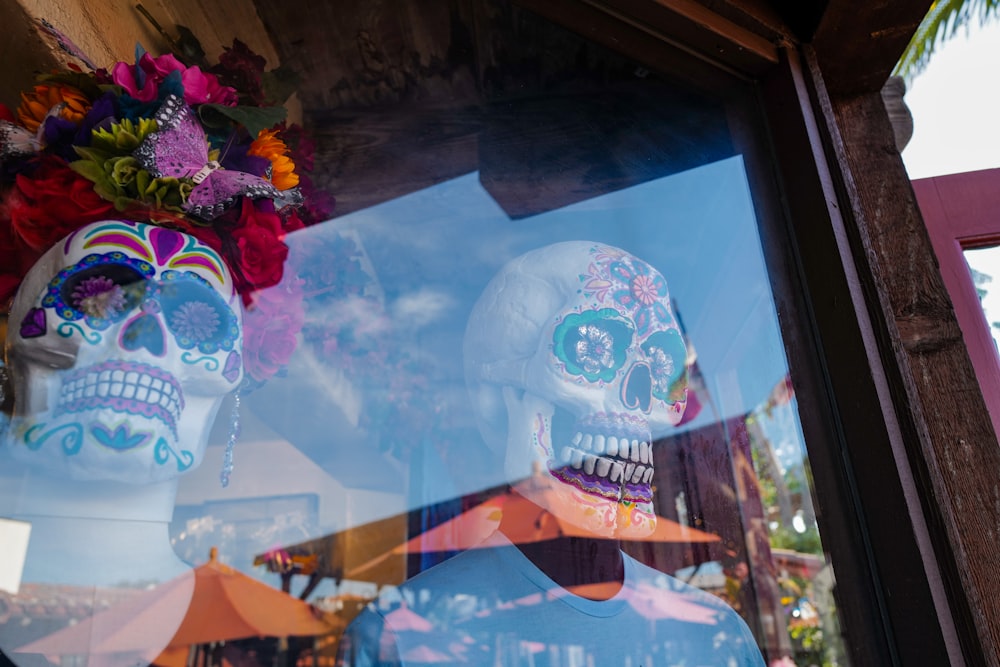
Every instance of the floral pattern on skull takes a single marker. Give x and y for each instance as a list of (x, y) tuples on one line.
[(129, 336), (578, 343)]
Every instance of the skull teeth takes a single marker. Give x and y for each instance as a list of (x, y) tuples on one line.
[(615, 470), (621, 447), (99, 385)]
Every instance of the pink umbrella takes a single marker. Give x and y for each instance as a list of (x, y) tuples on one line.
[(425, 654), (405, 619)]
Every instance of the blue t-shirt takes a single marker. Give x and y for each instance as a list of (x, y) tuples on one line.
[(492, 607)]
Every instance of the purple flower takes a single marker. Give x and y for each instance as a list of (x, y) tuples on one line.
[(195, 320), (98, 297)]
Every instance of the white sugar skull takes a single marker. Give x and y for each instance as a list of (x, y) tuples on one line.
[(124, 339), (575, 362)]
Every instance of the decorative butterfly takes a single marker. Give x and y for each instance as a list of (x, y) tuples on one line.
[(179, 149), (16, 141)]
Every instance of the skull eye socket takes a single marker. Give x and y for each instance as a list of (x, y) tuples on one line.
[(196, 314), (101, 294), (667, 354), (593, 344)]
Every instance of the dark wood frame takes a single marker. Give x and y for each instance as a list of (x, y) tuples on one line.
[(916, 572), (952, 453)]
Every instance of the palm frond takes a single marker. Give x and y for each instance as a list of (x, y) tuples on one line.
[(944, 19)]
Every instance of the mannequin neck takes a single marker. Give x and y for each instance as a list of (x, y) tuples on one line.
[(592, 567), (97, 533), (42, 496)]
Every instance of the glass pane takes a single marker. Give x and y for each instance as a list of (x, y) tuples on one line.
[(984, 266), (537, 333)]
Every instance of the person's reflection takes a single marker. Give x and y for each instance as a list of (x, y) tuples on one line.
[(574, 362)]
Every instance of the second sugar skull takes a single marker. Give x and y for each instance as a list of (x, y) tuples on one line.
[(576, 363), (124, 339)]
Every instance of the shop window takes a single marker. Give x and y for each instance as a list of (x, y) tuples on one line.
[(543, 300)]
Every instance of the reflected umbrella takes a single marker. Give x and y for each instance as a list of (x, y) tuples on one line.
[(425, 655), (221, 604), (405, 619), (525, 523)]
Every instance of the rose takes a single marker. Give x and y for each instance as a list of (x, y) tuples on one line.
[(291, 220), (48, 204), (261, 250), (244, 69), (271, 327), (199, 87), (268, 344)]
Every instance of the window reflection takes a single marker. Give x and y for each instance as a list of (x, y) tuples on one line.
[(717, 464), (363, 463), (365, 460), (984, 266)]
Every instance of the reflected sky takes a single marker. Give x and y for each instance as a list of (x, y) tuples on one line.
[(423, 259)]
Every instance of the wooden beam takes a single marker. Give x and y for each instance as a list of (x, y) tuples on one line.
[(946, 427), (684, 25), (311, 585), (869, 511), (857, 44)]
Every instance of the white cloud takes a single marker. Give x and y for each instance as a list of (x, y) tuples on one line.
[(420, 308)]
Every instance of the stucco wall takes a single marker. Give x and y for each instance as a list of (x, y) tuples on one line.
[(108, 30)]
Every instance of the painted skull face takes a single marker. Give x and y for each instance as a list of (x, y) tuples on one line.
[(574, 356), (124, 339)]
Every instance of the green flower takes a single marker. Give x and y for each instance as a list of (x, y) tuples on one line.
[(123, 137), (164, 192), (123, 172), (122, 181)]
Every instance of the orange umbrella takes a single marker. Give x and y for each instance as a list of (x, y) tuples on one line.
[(524, 523), (221, 604), (228, 604)]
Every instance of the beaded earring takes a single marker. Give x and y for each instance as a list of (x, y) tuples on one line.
[(234, 435)]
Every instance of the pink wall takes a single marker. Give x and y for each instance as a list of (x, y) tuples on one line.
[(963, 211)]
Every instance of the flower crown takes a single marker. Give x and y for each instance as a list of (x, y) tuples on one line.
[(204, 152)]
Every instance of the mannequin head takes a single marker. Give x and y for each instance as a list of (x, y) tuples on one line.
[(576, 364), (124, 339)]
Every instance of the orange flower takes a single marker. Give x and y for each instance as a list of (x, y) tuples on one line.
[(268, 145), (35, 105)]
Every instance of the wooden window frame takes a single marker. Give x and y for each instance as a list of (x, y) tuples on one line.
[(895, 578)]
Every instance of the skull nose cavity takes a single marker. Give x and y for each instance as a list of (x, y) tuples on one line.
[(144, 332), (637, 388)]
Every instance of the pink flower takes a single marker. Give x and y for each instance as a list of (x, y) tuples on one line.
[(644, 289), (199, 87), (270, 328)]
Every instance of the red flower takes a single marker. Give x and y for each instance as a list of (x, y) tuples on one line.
[(261, 250), (243, 70), (15, 260), (51, 202), (292, 221)]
